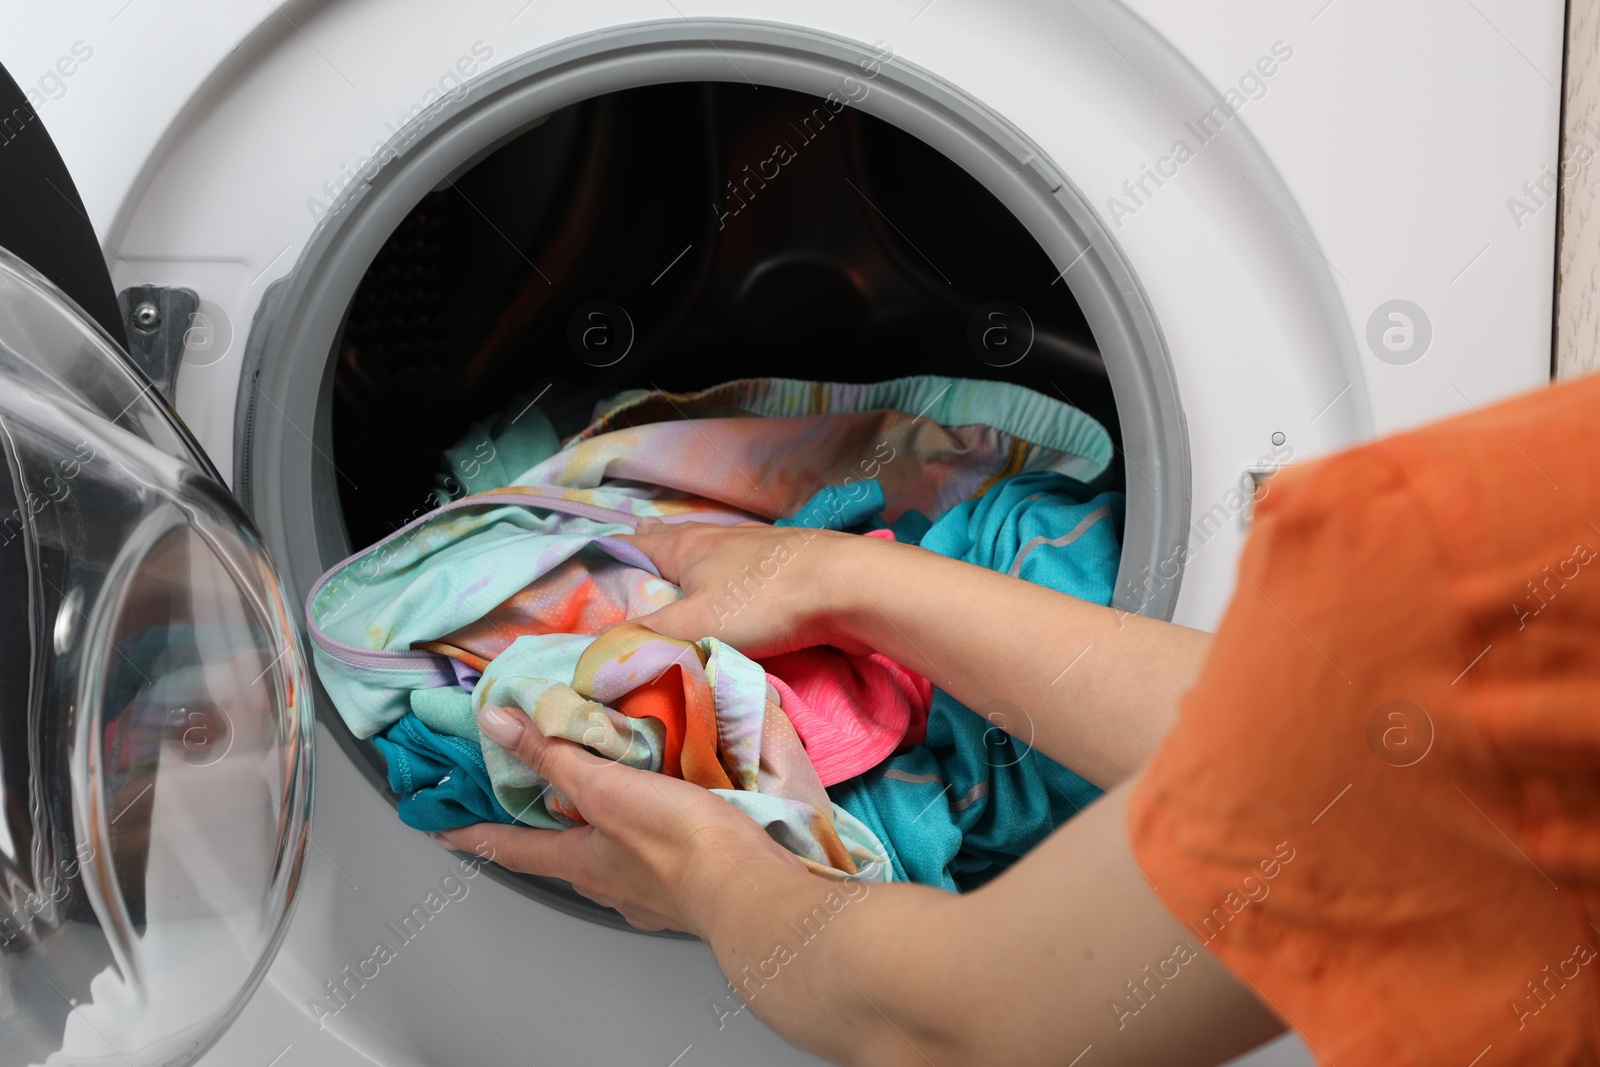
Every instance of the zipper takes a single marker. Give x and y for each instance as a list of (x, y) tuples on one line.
[(412, 659)]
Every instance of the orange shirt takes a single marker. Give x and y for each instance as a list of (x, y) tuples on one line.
[(1380, 807)]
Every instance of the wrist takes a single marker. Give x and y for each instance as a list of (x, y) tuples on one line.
[(841, 589), (718, 901)]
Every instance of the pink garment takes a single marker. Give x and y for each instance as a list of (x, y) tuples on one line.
[(851, 712)]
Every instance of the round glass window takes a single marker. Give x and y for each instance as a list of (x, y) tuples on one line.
[(155, 720)]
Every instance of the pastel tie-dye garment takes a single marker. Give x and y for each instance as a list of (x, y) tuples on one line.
[(766, 446), (699, 711), (401, 627)]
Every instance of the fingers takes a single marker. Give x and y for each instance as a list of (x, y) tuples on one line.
[(672, 545), (658, 541), (552, 854), (686, 619), (519, 848), (566, 766)]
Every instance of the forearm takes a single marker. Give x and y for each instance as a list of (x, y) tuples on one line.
[(1028, 970), (829, 964), (1091, 686)]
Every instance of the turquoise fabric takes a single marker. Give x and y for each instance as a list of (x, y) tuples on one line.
[(905, 450), (441, 780), (841, 507), (447, 775), (856, 508), (960, 808), (446, 710), (1068, 435), (431, 581), (493, 454)]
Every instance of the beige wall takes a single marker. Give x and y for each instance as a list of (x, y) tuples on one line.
[(1577, 333)]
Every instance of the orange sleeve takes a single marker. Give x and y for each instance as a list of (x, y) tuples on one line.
[(1379, 805)]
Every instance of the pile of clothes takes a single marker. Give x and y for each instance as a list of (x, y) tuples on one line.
[(856, 764)]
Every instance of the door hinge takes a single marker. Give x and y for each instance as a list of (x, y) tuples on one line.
[(157, 318)]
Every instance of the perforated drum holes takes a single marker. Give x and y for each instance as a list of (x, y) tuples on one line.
[(1399, 332), (1000, 333), (600, 333)]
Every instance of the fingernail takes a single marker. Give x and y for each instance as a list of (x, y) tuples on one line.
[(443, 842), (502, 727)]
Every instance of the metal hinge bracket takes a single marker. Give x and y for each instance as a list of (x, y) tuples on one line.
[(157, 319)]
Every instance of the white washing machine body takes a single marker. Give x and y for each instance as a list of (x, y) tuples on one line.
[(1338, 217)]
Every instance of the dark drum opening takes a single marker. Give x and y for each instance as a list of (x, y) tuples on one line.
[(677, 236)]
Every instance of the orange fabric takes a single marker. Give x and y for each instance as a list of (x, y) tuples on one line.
[(1411, 883), (688, 711), (565, 600), (661, 700)]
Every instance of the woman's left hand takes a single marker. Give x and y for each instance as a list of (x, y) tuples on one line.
[(659, 850)]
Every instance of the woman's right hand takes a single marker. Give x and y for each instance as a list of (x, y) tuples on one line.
[(763, 589), (1088, 685)]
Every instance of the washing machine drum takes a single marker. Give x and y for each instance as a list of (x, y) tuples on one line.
[(154, 712)]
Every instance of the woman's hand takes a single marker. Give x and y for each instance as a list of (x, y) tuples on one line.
[(657, 849), (1088, 685), (763, 589)]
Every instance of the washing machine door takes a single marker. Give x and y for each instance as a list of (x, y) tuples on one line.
[(155, 711)]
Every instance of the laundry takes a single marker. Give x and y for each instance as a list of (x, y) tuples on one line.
[(445, 574), (733, 738), (767, 445), (699, 711), (491, 454), (619, 700), (494, 598), (857, 509), (441, 780), (586, 585), (851, 712), (971, 799)]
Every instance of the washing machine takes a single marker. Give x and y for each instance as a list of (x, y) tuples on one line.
[(338, 232)]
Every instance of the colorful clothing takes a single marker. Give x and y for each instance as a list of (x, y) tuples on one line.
[(1380, 806), (851, 712), (857, 508), (702, 710), (971, 799), (766, 446), (501, 590), (491, 455), (442, 781)]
